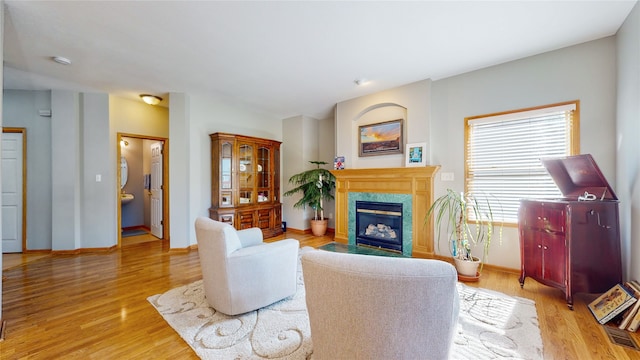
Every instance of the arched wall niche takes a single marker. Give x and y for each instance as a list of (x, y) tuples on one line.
[(373, 114)]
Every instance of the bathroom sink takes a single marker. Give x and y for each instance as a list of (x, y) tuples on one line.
[(126, 198)]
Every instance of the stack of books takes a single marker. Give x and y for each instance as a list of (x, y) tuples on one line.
[(620, 303)]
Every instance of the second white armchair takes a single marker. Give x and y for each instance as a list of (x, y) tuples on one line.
[(240, 272)]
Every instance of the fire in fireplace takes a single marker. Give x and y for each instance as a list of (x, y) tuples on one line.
[(379, 224)]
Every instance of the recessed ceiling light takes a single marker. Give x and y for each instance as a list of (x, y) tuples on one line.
[(150, 99), (61, 60)]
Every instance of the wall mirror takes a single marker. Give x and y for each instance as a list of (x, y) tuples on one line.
[(124, 171)]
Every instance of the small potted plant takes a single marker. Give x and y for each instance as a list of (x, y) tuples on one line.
[(453, 210), (316, 186)]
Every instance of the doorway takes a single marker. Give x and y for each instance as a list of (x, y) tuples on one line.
[(142, 179), (14, 164)]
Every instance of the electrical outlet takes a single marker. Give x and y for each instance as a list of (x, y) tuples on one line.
[(98, 177), (446, 176)]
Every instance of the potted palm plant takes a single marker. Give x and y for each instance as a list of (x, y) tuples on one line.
[(470, 223), (316, 186)]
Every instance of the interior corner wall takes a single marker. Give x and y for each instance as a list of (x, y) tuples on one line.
[(327, 153), (204, 114), (300, 146), (83, 216), (585, 72), (65, 172), (180, 226), (410, 102), (628, 146), (1, 124), (135, 117), (20, 109), (97, 174)]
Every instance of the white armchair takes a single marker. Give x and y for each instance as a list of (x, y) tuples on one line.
[(240, 272), (374, 307)]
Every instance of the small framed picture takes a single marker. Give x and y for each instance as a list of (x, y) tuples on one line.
[(416, 154)]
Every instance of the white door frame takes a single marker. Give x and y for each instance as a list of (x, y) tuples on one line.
[(165, 183), (157, 223), (23, 190)]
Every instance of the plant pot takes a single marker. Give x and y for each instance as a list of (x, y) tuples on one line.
[(467, 268), (319, 227)]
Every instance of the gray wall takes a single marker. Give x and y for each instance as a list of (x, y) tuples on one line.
[(628, 146), (586, 72), (133, 213), (82, 215), (436, 111), (21, 110)]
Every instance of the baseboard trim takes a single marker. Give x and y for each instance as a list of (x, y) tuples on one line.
[(308, 231), (3, 328), (449, 259), (84, 250)]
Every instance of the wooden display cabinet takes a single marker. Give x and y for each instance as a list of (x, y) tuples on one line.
[(573, 243), (245, 182)]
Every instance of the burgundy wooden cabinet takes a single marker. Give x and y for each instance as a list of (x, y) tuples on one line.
[(573, 243)]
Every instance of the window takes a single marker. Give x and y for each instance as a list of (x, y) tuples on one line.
[(503, 152)]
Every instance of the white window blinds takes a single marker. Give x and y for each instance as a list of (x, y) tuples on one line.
[(503, 155)]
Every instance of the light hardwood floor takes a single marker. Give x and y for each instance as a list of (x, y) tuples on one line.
[(93, 306)]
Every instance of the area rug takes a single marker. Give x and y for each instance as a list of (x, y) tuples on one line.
[(133, 232), (491, 325)]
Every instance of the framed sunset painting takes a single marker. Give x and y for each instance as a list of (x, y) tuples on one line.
[(381, 138)]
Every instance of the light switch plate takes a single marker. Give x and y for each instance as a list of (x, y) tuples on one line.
[(446, 176)]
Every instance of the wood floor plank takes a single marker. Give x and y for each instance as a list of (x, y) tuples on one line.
[(94, 306)]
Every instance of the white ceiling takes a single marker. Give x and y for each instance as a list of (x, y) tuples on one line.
[(285, 58)]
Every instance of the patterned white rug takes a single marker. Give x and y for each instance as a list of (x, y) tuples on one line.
[(492, 325)]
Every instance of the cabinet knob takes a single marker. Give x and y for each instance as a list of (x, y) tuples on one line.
[(545, 247), (539, 246)]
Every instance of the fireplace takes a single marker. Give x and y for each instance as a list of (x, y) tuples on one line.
[(411, 186), (379, 224)]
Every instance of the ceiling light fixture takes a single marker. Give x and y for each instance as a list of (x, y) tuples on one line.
[(151, 99), (61, 60), (360, 81)]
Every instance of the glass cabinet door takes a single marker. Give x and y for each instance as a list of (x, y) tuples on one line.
[(245, 173), (226, 176), (264, 174)]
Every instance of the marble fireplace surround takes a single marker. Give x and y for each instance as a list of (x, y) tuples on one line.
[(414, 181)]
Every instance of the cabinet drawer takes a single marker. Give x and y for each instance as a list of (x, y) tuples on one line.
[(246, 219), (544, 216), (264, 218)]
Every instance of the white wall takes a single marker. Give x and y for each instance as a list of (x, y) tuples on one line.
[(409, 102), (65, 172), (301, 144), (586, 72), (435, 113), (179, 177), (66, 207), (205, 114), (628, 146), (98, 220), (21, 110), (135, 117), (1, 124)]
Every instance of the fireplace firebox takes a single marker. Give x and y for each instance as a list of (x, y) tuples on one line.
[(379, 224)]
